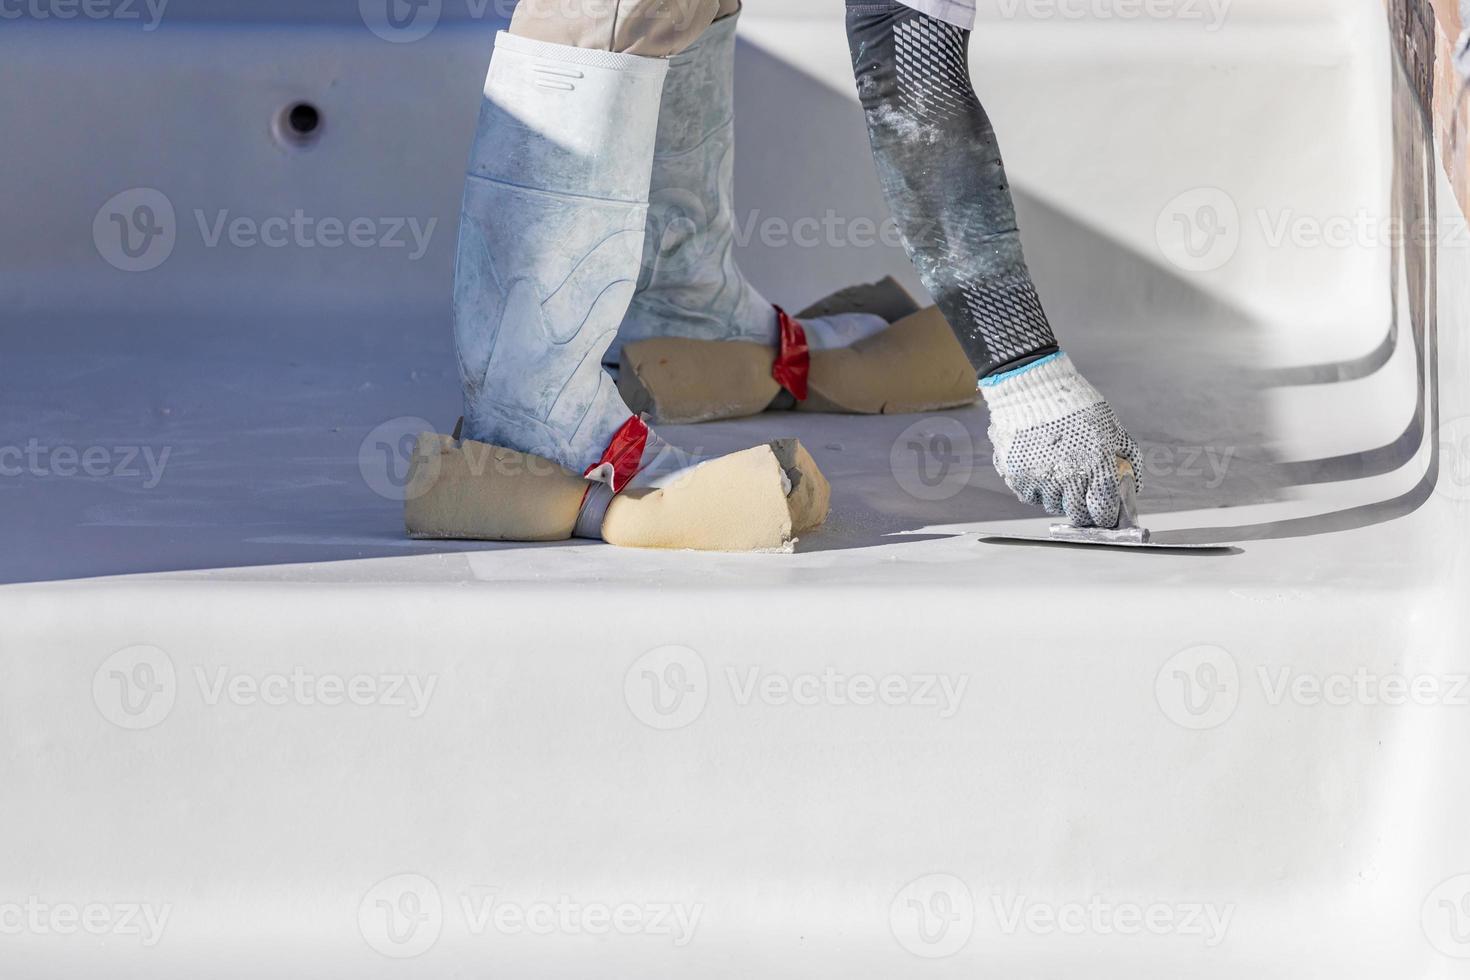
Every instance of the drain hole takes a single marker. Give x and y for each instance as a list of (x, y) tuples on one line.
[(304, 119), (299, 124)]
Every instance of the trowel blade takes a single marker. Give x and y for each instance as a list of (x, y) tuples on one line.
[(1065, 534)]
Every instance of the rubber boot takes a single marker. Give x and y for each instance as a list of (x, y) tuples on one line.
[(699, 342), (551, 239)]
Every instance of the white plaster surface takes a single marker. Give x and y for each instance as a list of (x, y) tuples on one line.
[(1066, 729)]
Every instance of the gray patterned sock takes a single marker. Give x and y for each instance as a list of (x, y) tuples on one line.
[(941, 170)]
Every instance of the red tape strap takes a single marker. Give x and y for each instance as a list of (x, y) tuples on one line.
[(794, 360), (624, 456)]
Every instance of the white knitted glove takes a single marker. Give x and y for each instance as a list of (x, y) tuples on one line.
[(1057, 442)]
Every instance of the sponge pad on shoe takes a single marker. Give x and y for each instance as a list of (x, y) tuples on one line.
[(916, 365), (756, 500), (736, 503)]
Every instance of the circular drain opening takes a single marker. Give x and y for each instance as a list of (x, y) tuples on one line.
[(299, 124)]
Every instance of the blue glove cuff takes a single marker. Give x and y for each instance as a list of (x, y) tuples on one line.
[(996, 379)]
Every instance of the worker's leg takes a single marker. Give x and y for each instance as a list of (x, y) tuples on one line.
[(1057, 442), (551, 241), (700, 342), (942, 173)]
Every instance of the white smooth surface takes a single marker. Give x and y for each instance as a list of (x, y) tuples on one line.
[(1067, 772)]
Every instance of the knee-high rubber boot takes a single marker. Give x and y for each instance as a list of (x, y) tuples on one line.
[(550, 245), (551, 237), (691, 285), (700, 340)]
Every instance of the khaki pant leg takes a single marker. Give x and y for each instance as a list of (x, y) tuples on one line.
[(651, 28)]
